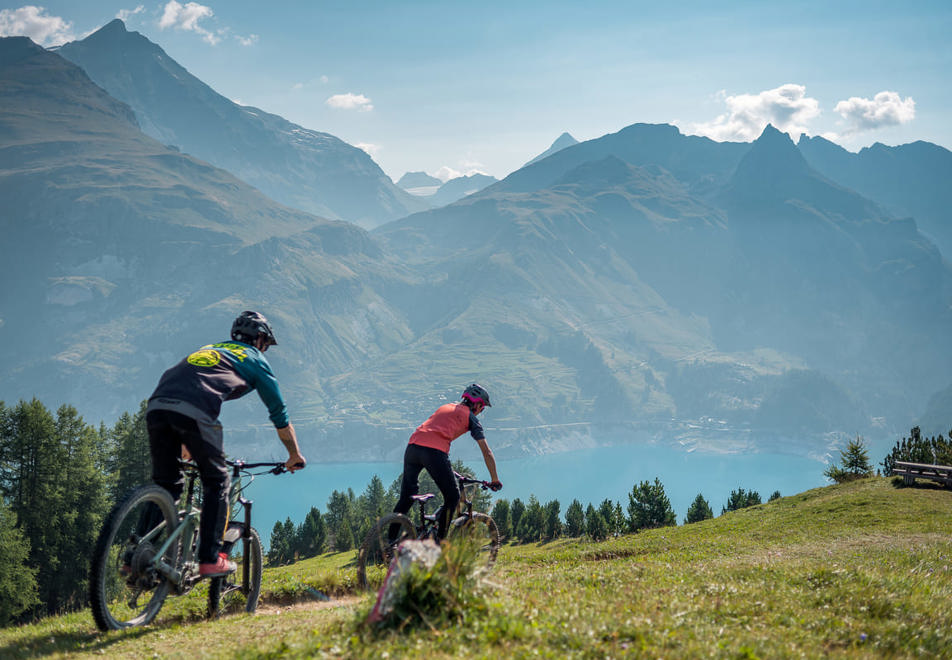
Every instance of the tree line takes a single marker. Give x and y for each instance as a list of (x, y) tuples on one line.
[(348, 516), (59, 476)]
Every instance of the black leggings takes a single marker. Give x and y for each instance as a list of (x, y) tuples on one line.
[(168, 431), (437, 463)]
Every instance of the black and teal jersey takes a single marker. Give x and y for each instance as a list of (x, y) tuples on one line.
[(221, 372)]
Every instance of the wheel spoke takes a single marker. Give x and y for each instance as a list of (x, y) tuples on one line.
[(125, 589)]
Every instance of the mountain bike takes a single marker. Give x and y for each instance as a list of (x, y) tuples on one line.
[(379, 546), (148, 549)]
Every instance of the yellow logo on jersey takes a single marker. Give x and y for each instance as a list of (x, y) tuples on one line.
[(204, 358), (239, 351)]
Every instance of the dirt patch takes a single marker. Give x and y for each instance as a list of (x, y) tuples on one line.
[(309, 605)]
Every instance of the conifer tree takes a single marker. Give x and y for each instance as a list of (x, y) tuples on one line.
[(17, 579), (516, 511), (84, 502), (741, 499), (699, 510), (649, 507), (281, 547), (553, 524), (575, 519), (130, 463), (595, 525), (500, 514), (310, 535), (532, 522), (854, 463)]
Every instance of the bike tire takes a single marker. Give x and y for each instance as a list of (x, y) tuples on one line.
[(134, 529), (483, 529), (228, 593), (376, 552)]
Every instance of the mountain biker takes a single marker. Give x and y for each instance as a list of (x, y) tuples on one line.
[(429, 449), (183, 411)]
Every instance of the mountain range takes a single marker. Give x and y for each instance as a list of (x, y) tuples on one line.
[(306, 169), (645, 285), (438, 193)]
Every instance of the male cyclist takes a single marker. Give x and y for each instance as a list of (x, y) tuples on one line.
[(429, 449), (184, 409)]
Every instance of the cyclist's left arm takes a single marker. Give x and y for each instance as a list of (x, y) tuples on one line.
[(490, 461), (259, 375)]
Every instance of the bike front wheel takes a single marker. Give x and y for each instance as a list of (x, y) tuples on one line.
[(481, 528), (239, 591), (378, 548), (125, 590)]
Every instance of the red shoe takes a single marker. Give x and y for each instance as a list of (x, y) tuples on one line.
[(221, 567)]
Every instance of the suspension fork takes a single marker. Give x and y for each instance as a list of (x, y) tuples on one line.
[(245, 544)]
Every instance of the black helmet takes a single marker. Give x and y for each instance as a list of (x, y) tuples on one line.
[(251, 325), (476, 394)]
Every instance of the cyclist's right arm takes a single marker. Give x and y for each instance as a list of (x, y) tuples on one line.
[(289, 440)]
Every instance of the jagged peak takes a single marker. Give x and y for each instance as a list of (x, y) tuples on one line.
[(771, 156)]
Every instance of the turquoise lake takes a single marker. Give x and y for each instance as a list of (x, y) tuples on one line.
[(590, 475)]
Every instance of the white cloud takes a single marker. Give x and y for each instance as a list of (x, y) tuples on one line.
[(884, 109), (35, 23), (186, 17), (371, 149), (787, 108), (446, 173), (250, 40), (350, 101), (126, 14), (323, 80)]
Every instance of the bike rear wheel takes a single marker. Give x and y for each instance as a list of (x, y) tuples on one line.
[(481, 528), (124, 589), (240, 590), (377, 550)]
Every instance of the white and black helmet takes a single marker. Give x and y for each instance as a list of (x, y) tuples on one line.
[(251, 325)]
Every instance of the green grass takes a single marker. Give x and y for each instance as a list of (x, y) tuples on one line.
[(858, 570)]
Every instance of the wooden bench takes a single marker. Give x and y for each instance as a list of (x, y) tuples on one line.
[(912, 471)]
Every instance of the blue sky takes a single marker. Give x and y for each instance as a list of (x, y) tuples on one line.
[(453, 87)]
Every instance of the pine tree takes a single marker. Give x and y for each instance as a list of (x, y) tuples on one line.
[(553, 525), (854, 463), (130, 463), (699, 510), (310, 535), (17, 579), (595, 525), (741, 499), (372, 504), (503, 521), (649, 507), (575, 519), (84, 501), (339, 520), (516, 511), (532, 522), (615, 524), (280, 548)]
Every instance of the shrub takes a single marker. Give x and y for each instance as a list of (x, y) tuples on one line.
[(854, 463), (442, 596)]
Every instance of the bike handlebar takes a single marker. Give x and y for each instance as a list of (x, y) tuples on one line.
[(276, 467), (464, 480)]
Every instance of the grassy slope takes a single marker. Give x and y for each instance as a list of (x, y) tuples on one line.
[(855, 570)]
